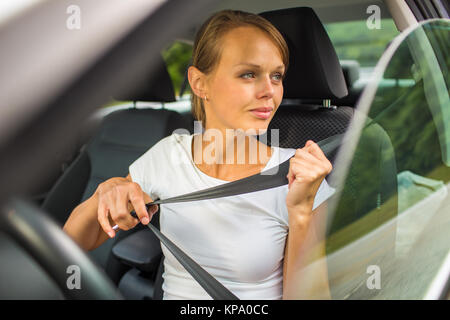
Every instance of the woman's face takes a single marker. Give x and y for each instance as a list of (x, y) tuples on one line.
[(248, 77)]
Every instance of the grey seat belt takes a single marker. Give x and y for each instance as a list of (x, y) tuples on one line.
[(271, 178)]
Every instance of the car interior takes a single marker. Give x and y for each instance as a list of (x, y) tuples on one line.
[(319, 102), (63, 136), (391, 209)]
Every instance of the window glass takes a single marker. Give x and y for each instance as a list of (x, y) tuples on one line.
[(177, 58), (389, 232), (353, 40)]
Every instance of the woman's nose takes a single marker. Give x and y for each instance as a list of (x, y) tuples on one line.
[(266, 89)]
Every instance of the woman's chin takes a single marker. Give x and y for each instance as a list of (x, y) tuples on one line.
[(259, 128), (253, 130)]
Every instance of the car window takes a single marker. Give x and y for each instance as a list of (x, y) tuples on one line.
[(353, 40), (388, 235), (177, 57)]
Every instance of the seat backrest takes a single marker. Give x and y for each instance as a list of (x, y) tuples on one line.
[(121, 138), (297, 125)]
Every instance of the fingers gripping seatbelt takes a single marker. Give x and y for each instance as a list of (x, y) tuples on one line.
[(267, 179)]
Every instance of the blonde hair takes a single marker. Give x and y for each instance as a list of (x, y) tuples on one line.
[(207, 50)]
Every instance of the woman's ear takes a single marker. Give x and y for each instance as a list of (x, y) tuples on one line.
[(197, 82)]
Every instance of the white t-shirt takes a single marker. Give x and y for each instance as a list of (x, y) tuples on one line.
[(238, 239)]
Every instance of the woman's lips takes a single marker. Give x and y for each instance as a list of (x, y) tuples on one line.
[(262, 113)]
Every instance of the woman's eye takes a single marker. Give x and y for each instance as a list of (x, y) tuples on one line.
[(278, 77), (249, 75), (245, 75)]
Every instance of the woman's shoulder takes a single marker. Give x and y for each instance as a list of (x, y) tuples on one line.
[(162, 155), (166, 148), (179, 138), (175, 139)]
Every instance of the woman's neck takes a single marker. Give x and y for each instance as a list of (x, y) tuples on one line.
[(230, 155)]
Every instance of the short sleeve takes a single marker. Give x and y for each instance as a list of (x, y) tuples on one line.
[(141, 172), (323, 193), (154, 170)]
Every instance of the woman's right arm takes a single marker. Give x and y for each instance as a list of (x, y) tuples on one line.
[(90, 223)]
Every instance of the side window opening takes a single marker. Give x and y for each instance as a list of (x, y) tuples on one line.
[(176, 56), (353, 40), (393, 211), (359, 48)]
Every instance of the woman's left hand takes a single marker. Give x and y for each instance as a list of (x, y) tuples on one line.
[(307, 169)]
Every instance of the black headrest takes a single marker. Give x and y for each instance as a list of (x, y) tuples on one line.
[(157, 87), (314, 71)]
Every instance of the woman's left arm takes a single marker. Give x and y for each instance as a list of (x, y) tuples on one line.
[(305, 245), (305, 270)]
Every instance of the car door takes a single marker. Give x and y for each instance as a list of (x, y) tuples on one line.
[(388, 224)]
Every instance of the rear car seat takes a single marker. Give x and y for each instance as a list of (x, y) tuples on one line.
[(121, 138)]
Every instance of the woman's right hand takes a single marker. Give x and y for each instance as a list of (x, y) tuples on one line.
[(117, 197)]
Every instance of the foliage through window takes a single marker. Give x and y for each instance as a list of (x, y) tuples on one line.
[(353, 40), (177, 58)]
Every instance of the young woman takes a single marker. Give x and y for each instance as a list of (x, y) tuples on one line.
[(239, 61)]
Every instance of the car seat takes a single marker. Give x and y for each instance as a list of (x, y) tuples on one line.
[(121, 138)]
